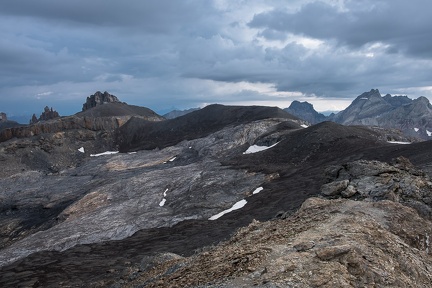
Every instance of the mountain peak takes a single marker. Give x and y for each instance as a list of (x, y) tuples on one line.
[(305, 111), (373, 93), (99, 98)]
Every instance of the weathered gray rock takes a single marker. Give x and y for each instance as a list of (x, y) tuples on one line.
[(374, 180), (123, 193), (334, 188), (373, 244)]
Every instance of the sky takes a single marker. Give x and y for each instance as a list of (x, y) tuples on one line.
[(180, 54)]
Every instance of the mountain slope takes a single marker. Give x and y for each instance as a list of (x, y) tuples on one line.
[(120, 109), (138, 134)]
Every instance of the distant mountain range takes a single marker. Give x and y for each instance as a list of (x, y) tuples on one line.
[(412, 117)]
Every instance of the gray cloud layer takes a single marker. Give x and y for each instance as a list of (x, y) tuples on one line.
[(164, 54)]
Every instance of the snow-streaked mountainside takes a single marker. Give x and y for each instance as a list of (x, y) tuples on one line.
[(219, 196)]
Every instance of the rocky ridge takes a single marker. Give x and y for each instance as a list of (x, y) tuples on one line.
[(378, 242), (177, 113), (390, 113), (412, 117)]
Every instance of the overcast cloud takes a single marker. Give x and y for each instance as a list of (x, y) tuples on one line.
[(180, 54)]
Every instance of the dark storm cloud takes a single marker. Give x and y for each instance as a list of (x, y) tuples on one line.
[(404, 25), (165, 53), (152, 16)]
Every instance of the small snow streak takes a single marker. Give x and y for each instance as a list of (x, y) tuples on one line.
[(162, 203), (81, 150), (304, 125), (256, 191), (416, 129), (429, 133), (104, 153), (398, 142), (238, 205), (257, 148), (172, 159)]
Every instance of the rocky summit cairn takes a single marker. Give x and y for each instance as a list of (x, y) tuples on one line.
[(99, 98)]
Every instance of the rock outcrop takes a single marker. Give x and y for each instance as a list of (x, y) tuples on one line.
[(99, 98), (327, 243), (47, 114), (376, 181), (3, 117)]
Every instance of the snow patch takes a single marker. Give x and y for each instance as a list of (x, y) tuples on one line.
[(162, 203), (238, 205), (364, 98), (104, 153), (304, 125), (416, 129), (398, 142), (132, 153), (81, 150), (429, 133), (172, 159), (257, 148), (256, 191)]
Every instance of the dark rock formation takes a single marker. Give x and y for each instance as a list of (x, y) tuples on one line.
[(99, 98), (374, 180), (3, 117), (305, 111), (114, 109), (47, 114), (397, 101)]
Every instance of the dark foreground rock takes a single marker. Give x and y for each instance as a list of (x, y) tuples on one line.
[(355, 244)]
